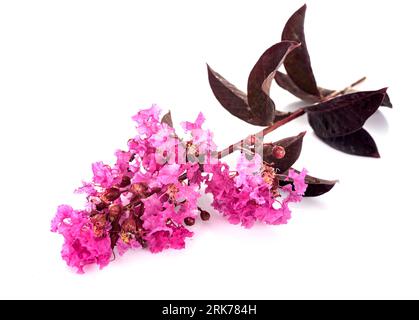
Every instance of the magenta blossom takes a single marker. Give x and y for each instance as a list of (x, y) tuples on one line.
[(250, 194), (83, 245), (149, 197)]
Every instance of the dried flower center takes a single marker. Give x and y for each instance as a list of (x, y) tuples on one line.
[(129, 229), (110, 195), (172, 191), (139, 189), (126, 237), (99, 225), (268, 174)]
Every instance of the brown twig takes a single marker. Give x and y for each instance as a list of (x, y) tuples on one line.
[(336, 93), (252, 138)]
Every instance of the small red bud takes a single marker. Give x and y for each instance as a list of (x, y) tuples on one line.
[(189, 221), (125, 182), (205, 215), (278, 152)]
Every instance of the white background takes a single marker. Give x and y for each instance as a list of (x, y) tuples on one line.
[(72, 73)]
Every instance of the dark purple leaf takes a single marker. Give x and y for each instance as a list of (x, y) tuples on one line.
[(386, 101), (325, 92), (285, 82), (167, 119), (260, 79), (231, 98), (300, 80), (315, 186), (359, 143), (345, 114), (292, 147), (279, 115), (298, 63)]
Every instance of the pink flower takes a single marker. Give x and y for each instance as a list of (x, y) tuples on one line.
[(246, 197), (298, 180), (167, 145), (81, 246), (194, 173), (122, 161), (169, 174), (202, 140), (176, 203), (87, 188), (249, 171), (137, 147), (189, 126), (150, 195), (102, 174), (218, 181), (148, 121), (123, 247), (164, 135), (155, 215), (170, 237), (64, 212)]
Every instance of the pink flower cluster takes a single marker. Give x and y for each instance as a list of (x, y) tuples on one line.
[(251, 193), (148, 198)]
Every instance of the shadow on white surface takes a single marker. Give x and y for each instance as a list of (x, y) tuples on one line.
[(378, 122)]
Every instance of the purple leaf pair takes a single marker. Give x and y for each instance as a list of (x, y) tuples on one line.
[(338, 122), (256, 107), (300, 79), (337, 117)]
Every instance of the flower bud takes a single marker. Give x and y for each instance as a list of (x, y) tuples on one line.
[(205, 215), (154, 190), (125, 182), (189, 221), (114, 212), (129, 225), (278, 152), (139, 189), (101, 206), (164, 198), (111, 194), (99, 224), (139, 209)]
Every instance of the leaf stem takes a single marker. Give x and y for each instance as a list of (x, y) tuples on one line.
[(276, 125), (252, 138), (345, 90)]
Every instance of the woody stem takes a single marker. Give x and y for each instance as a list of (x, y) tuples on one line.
[(336, 93), (238, 145)]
